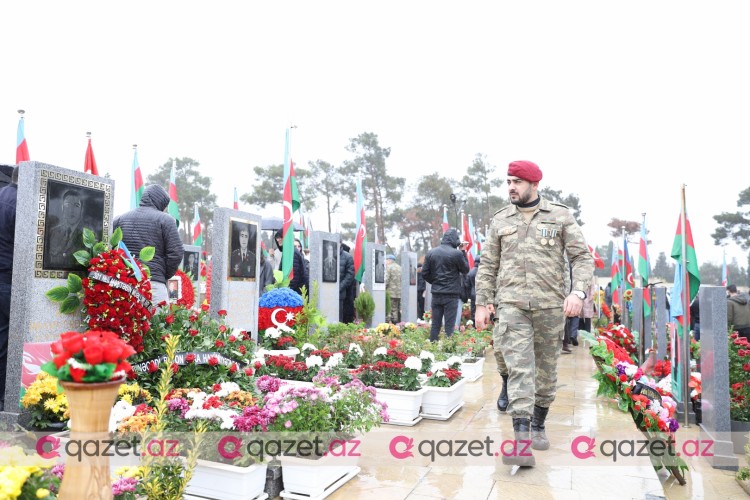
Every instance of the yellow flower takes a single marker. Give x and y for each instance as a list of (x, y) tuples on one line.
[(42, 493)]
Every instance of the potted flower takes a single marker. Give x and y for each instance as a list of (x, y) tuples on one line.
[(279, 341), (398, 385), (444, 395), (45, 406), (90, 367)]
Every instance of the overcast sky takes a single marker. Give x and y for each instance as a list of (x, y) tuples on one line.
[(619, 103)]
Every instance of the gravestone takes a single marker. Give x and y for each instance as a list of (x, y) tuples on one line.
[(637, 303), (661, 320), (408, 286), (374, 279), (715, 423), (325, 246), (234, 280), (48, 196), (191, 265)]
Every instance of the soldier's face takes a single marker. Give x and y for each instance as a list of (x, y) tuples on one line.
[(244, 238), (520, 191), (72, 210)]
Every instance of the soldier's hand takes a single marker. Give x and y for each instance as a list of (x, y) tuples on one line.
[(482, 316), (572, 306)]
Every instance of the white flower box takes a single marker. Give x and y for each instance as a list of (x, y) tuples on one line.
[(473, 371), (290, 353), (403, 406), (227, 482), (308, 478), (440, 403)]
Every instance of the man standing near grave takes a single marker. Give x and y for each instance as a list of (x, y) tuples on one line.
[(521, 279), (443, 268), (8, 195), (346, 277), (148, 225), (738, 311), (393, 287)]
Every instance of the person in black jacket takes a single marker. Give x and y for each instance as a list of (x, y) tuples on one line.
[(346, 277), (442, 268), (421, 289), (299, 268), (149, 226)]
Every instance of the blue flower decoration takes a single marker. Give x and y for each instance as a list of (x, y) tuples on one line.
[(280, 297)]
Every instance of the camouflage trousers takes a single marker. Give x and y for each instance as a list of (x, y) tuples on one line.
[(529, 342), (395, 316)]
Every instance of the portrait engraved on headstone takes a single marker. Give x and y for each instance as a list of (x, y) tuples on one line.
[(174, 286), (68, 204), (379, 270), (330, 261), (243, 235), (191, 264), (413, 269)]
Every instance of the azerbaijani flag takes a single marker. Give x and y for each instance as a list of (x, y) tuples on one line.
[(474, 242), (478, 241), (197, 229), (676, 312), (627, 266), (445, 219), (691, 259), (643, 270), (22, 149), (360, 242), (615, 276), (467, 238), (173, 208), (89, 163), (236, 205), (291, 205), (137, 181), (598, 261), (263, 249), (724, 272)]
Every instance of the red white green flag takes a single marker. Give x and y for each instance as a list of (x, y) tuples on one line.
[(22, 149), (467, 238), (643, 270), (236, 204), (691, 258), (89, 163), (136, 181), (615, 276), (724, 271), (360, 242), (291, 205), (445, 219), (197, 229), (173, 207)]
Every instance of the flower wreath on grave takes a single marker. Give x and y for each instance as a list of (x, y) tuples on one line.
[(208, 351), (116, 293), (277, 313), (187, 292)]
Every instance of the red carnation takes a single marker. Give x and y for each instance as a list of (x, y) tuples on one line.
[(222, 328), (205, 307), (175, 367), (72, 342), (233, 368), (213, 361), (219, 343), (169, 319), (242, 349), (222, 312), (193, 332), (232, 338), (190, 358), (249, 371), (152, 367)]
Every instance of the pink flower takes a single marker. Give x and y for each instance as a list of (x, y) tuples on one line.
[(288, 424)]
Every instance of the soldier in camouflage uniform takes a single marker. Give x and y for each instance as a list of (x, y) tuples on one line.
[(521, 279), (393, 287)]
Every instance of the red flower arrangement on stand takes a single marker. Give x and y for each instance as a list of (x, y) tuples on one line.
[(94, 356)]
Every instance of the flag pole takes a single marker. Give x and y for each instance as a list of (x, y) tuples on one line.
[(623, 277), (685, 358)]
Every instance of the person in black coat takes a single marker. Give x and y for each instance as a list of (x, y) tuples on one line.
[(299, 269), (346, 277), (442, 268), (421, 289)]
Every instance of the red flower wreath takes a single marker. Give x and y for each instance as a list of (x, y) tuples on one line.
[(188, 292), (112, 309)]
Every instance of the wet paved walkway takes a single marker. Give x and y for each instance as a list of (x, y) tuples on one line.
[(576, 409)]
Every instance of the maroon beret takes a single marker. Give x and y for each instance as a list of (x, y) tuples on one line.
[(525, 170)]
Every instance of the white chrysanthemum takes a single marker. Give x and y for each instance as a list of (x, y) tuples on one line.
[(427, 355), (309, 347), (334, 360), (355, 347), (285, 328), (630, 370), (469, 323), (120, 411), (272, 333), (227, 388), (380, 351), (453, 360), (440, 373), (413, 362), (665, 384), (314, 361)]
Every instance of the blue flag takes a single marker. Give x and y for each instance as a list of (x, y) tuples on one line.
[(130, 261)]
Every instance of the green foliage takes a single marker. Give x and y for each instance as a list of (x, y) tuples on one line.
[(309, 321), (631, 227), (663, 269), (192, 188), (330, 183), (268, 186), (479, 187), (364, 304), (570, 200), (116, 237), (735, 226), (89, 238), (146, 254)]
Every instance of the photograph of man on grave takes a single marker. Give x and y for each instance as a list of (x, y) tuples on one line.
[(190, 264), (330, 262), (412, 270), (174, 285), (70, 208), (379, 266), (243, 240)]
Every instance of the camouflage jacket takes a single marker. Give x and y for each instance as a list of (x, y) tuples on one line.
[(393, 280), (524, 265)]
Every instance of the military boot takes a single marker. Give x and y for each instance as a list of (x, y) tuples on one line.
[(539, 439), (502, 401), (521, 454)]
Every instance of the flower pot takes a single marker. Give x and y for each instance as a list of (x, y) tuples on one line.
[(223, 481), (290, 353), (403, 406), (440, 403), (313, 478), (90, 406), (739, 435), (472, 371)]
